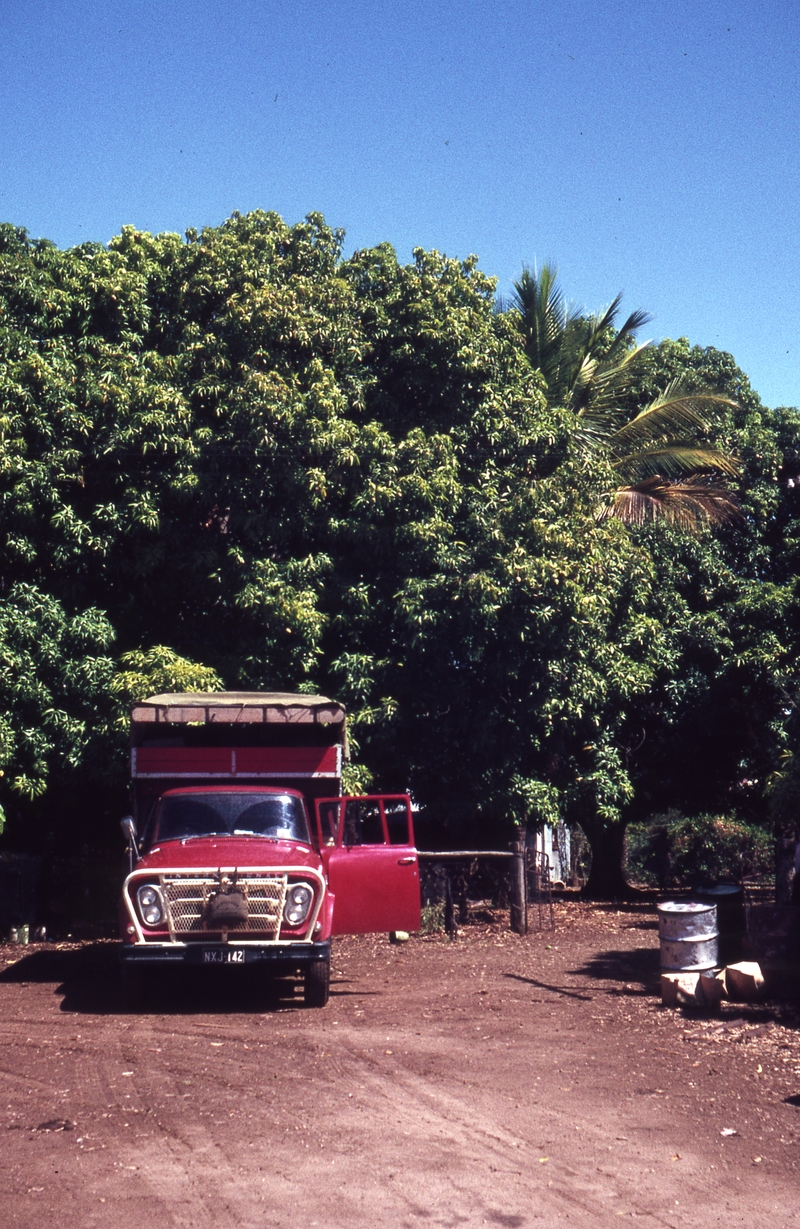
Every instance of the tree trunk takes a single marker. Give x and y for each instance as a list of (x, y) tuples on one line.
[(784, 870), (607, 874)]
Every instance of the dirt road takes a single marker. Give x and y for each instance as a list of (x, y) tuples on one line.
[(492, 1081)]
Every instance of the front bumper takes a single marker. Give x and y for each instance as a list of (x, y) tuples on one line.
[(279, 955)]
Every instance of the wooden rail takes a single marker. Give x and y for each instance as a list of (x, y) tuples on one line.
[(464, 853)]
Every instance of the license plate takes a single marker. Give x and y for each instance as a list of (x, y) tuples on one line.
[(233, 955)]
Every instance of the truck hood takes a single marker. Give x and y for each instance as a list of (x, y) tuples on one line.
[(238, 851)]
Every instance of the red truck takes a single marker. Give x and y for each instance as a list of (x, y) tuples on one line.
[(242, 847)]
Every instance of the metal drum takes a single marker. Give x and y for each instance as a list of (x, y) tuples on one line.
[(729, 899), (688, 935)]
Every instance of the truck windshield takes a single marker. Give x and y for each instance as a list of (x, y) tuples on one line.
[(182, 816)]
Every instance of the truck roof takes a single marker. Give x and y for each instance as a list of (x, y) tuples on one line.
[(245, 707)]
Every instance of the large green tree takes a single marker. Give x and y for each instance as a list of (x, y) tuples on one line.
[(713, 724), (717, 722), (247, 461), (307, 472)]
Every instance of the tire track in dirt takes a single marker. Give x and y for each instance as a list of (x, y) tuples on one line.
[(465, 1126), (426, 1094)]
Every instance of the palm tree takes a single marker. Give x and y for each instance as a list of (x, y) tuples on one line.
[(664, 467)]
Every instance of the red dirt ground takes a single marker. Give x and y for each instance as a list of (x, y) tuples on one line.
[(489, 1081)]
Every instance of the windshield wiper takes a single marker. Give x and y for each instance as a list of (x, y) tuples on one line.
[(194, 836)]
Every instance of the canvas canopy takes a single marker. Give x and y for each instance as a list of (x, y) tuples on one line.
[(237, 707)]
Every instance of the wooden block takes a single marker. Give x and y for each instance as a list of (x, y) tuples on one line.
[(669, 989), (745, 981), (681, 990), (712, 988)]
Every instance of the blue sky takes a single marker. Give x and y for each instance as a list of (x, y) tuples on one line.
[(646, 147)]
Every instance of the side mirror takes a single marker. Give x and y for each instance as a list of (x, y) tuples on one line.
[(129, 832), (128, 828)]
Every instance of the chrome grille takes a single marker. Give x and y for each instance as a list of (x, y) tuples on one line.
[(186, 897)]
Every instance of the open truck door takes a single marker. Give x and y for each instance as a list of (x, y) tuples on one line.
[(367, 848)]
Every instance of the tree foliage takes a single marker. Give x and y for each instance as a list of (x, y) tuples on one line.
[(309, 472), (54, 671), (662, 462), (239, 459), (716, 722)]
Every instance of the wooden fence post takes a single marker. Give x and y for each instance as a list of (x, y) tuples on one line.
[(451, 929), (519, 890)]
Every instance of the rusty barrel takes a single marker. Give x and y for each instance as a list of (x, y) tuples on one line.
[(687, 932)]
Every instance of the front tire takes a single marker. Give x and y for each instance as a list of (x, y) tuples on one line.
[(316, 983)]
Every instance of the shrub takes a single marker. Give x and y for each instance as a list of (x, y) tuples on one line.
[(674, 849)]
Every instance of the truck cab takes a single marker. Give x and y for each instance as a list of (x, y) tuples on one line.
[(243, 848)]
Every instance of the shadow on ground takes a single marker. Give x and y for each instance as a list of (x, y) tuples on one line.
[(637, 967), (88, 978), (541, 985)]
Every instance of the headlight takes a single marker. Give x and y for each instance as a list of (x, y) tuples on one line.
[(299, 899), (151, 906)]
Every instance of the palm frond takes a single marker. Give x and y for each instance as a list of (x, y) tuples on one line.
[(547, 323), (605, 319), (636, 320), (662, 462), (690, 504), (675, 410), (672, 460), (601, 387), (585, 374), (598, 326)]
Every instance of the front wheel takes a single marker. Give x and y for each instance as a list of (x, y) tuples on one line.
[(316, 983)]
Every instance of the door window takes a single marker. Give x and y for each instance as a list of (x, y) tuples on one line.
[(397, 816), (383, 819)]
